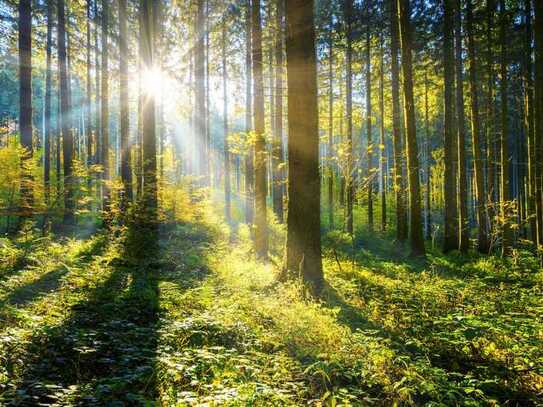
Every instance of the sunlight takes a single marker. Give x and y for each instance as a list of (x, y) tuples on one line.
[(152, 81)]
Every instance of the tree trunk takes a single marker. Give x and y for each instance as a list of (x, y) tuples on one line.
[(348, 170), (105, 104), (450, 233), (261, 224), (48, 88), (88, 119), (67, 137), (25, 100), (417, 241), (303, 220), (227, 185), (126, 174), (538, 114), (504, 142), (382, 142), (428, 220), (249, 159), (149, 122), (399, 182), (368, 122), (463, 226), (278, 173), (482, 236), (331, 133), (490, 130), (200, 116)]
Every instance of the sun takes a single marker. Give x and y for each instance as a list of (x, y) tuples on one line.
[(152, 81)]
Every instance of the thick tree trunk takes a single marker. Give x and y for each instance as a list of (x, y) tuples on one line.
[(303, 220), (48, 92), (227, 184), (126, 173), (25, 100), (67, 137), (504, 143), (482, 236), (415, 227), (249, 159), (278, 172), (428, 220), (150, 198), (450, 228), (463, 226), (399, 181), (261, 224)]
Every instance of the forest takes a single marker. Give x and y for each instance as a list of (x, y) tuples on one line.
[(271, 203)]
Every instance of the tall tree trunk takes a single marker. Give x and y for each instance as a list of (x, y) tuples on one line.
[(67, 137), (48, 88), (368, 122), (428, 220), (415, 227), (331, 132), (249, 159), (25, 100), (88, 119), (126, 174), (482, 236), (227, 182), (348, 171), (150, 198), (450, 233), (399, 181), (261, 224), (538, 115), (504, 142), (303, 220), (199, 66), (463, 226), (97, 108), (208, 154), (278, 173), (529, 118), (490, 129), (105, 104), (382, 142)]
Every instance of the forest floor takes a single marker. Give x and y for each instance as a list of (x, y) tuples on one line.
[(201, 323)]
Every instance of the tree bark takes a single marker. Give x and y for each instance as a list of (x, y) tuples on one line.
[(450, 241), (417, 241), (105, 105), (278, 173), (349, 188), (331, 133), (399, 182), (261, 224), (227, 184), (48, 92), (303, 220), (482, 236), (463, 227), (126, 173), (249, 159), (368, 121), (382, 142), (538, 114)]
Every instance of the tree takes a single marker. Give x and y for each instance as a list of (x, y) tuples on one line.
[(463, 235), (249, 159), (261, 224), (331, 132), (303, 218), (368, 119), (450, 238), (227, 184), (349, 188), (504, 148), (278, 173), (25, 98), (88, 96), (490, 114), (48, 91), (399, 182), (126, 173), (382, 149), (415, 227), (538, 114), (482, 236), (104, 132), (199, 67), (150, 198), (67, 136)]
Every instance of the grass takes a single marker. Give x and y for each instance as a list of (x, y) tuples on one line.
[(202, 323)]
